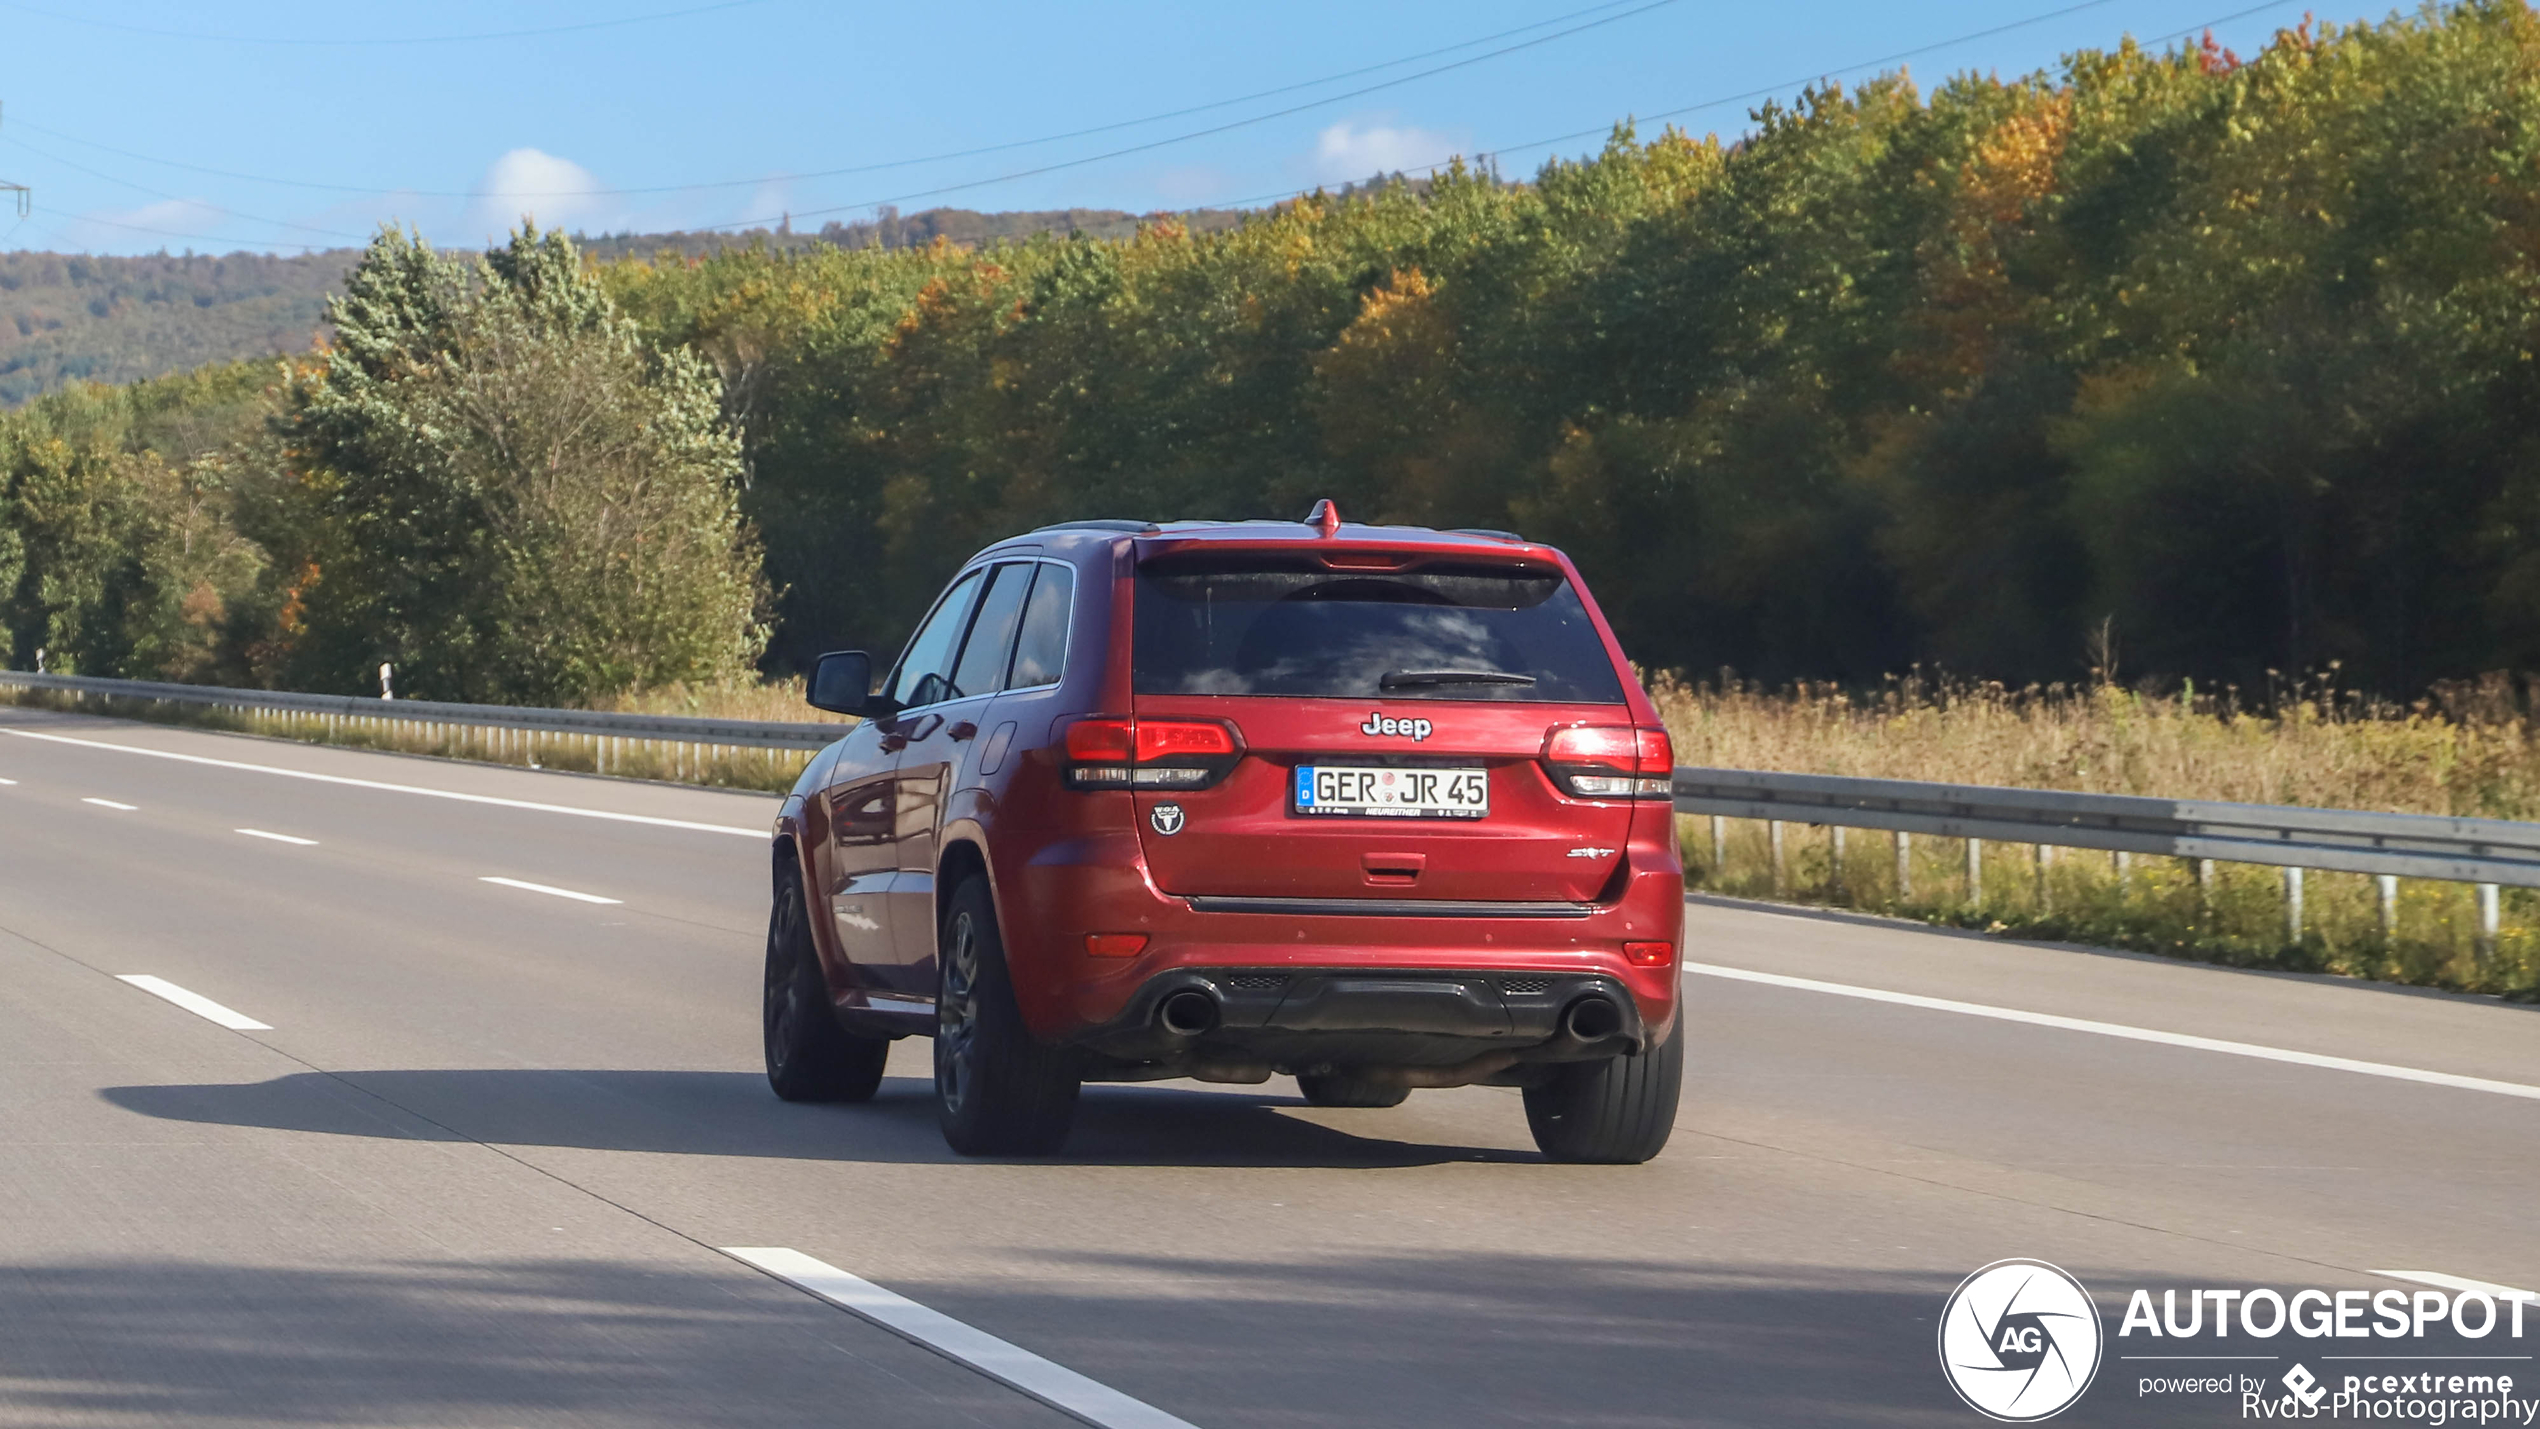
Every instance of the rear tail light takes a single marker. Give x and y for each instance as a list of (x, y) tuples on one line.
[(1110, 752), (1125, 945), (1647, 955), (1611, 762)]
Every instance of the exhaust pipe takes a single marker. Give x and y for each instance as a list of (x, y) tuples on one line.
[(1187, 1013), (1592, 1018)]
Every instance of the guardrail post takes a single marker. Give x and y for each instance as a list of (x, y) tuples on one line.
[(1975, 873), (1837, 831), (1904, 865), (1719, 843), (2205, 885), (1781, 868), (2486, 921), (2388, 884), (2125, 874), (2045, 890), (2293, 905)]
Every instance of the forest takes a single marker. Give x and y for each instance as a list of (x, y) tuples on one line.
[(2188, 364)]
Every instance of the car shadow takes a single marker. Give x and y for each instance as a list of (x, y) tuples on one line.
[(734, 1114)]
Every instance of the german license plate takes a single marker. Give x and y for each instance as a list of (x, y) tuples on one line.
[(1351, 789)]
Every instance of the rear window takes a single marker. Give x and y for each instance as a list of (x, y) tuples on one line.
[(1273, 625)]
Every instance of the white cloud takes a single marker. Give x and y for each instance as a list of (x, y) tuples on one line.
[(529, 183), (1347, 152)]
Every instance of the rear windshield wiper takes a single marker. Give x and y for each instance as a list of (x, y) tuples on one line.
[(1422, 679)]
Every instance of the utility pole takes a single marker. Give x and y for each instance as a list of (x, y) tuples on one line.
[(26, 196)]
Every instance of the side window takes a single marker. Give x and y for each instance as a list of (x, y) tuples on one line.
[(1040, 655), (981, 669), (925, 667)]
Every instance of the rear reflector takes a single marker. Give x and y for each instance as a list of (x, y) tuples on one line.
[(1648, 955), (1129, 945)]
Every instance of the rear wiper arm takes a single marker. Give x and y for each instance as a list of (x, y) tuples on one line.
[(1421, 679)]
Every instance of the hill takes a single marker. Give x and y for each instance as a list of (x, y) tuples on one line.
[(66, 317)]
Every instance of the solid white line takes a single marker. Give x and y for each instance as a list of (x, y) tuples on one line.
[(688, 824), (277, 838), (111, 804), (2441, 1281), (1055, 1385), (194, 1002), (543, 888), (2134, 1034)]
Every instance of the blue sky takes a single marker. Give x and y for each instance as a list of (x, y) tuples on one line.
[(326, 120)]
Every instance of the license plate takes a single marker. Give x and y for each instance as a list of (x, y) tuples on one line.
[(1350, 789)]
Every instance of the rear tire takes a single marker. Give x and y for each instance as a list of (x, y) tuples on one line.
[(810, 1058), (1350, 1089), (1615, 1112), (998, 1092)]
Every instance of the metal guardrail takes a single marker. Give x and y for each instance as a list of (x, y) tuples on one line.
[(2342, 840), (681, 729)]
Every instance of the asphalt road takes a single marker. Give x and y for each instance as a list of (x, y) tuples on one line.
[(477, 1168)]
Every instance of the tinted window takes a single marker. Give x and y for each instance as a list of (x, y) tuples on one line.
[(1288, 626), (1040, 656), (981, 670), (925, 667)]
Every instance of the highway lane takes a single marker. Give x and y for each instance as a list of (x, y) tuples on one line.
[(476, 1170)]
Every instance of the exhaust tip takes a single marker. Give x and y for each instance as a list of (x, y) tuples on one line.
[(1187, 1013), (1592, 1018)]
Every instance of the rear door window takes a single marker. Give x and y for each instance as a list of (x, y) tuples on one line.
[(1287, 625), (981, 670)]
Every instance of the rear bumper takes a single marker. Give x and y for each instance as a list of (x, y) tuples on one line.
[(1049, 904), (1453, 1025)]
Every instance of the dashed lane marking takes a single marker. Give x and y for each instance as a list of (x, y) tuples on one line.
[(552, 891), (277, 838), (1053, 1384), (195, 1003), (111, 804)]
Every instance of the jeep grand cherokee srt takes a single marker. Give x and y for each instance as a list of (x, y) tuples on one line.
[(1377, 807)]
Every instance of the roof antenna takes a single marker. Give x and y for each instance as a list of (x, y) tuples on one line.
[(1325, 517)]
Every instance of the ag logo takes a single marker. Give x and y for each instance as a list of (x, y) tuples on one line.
[(2019, 1340), (1167, 819)]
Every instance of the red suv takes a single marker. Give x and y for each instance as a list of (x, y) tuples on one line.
[(1379, 807)]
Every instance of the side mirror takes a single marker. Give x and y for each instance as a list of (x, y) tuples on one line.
[(842, 683)]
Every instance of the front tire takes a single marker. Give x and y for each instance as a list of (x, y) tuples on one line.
[(810, 1058), (998, 1092), (1615, 1112)]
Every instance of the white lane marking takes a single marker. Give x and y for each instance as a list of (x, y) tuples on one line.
[(111, 804), (543, 888), (530, 804), (1053, 1384), (2134, 1034), (194, 1002), (277, 838), (2441, 1281), (11, 782)]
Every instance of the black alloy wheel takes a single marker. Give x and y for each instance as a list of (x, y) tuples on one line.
[(998, 1092), (810, 1058)]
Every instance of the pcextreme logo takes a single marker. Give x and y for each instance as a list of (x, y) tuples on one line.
[(2020, 1340)]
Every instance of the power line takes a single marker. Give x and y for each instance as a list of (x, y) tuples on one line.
[(178, 198), (1751, 94), (93, 21), (859, 168), (1204, 133)]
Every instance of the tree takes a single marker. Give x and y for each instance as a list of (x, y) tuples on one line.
[(528, 502)]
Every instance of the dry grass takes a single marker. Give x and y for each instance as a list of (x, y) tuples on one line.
[(2467, 749)]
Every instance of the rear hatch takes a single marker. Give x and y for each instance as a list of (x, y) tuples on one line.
[(1391, 711)]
